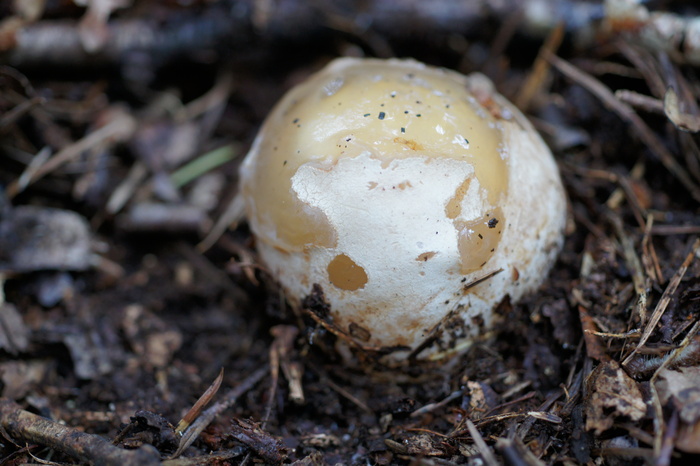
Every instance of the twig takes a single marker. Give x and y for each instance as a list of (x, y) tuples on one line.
[(93, 449), (663, 456), (626, 112), (514, 452), (634, 264), (433, 406), (282, 354), (236, 23), (120, 127), (649, 257), (18, 111), (662, 230), (484, 450), (540, 69), (347, 338), (641, 101), (126, 188), (210, 414), (233, 214), (220, 457), (197, 408)]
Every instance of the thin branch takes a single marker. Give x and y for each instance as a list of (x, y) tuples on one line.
[(24, 426), (210, 414), (626, 112)]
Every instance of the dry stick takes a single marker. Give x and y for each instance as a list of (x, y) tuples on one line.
[(514, 451), (197, 408), (93, 449), (540, 69), (58, 42), (344, 336), (627, 191), (234, 213), (207, 416), (126, 188), (640, 101), (486, 453), (634, 264), (649, 259), (626, 112), (220, 457), (120, 128), (433, 406), (663, 230), (663, 456), (524, 428), (18, 111)]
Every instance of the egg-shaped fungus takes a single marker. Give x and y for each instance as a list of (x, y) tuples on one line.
[(415, 197)]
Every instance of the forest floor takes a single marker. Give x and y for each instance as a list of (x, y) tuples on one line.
[(128, 296)]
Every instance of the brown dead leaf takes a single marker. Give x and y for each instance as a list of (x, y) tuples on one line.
[(38, 238), (282, 353), (561, 317), (682, 121), (19, 378), (14, 335), (423, 445), (688, 438), (611, 394), (478, 404), (146, 427), (681, 387), (594, 345), (94, 32), (150, 336), (29, 10), (320, 440)]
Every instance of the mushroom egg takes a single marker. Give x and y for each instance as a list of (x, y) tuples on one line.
[(415, 198)]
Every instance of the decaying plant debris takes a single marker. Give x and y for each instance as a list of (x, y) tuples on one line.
[(119, 159)]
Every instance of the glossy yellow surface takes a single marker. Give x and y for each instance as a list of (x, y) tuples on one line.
[(389, 110)]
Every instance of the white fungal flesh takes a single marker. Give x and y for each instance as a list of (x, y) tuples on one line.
[(394, 186)]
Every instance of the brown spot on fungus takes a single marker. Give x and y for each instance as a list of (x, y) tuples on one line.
[(426, 256), (345, 274), (454, 205), (359, 332), (410, 143), (477, 242)]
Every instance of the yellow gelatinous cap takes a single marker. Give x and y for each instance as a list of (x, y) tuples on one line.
[(389, 109)]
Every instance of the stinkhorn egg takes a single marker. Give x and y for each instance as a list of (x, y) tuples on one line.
[(417, 198)]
